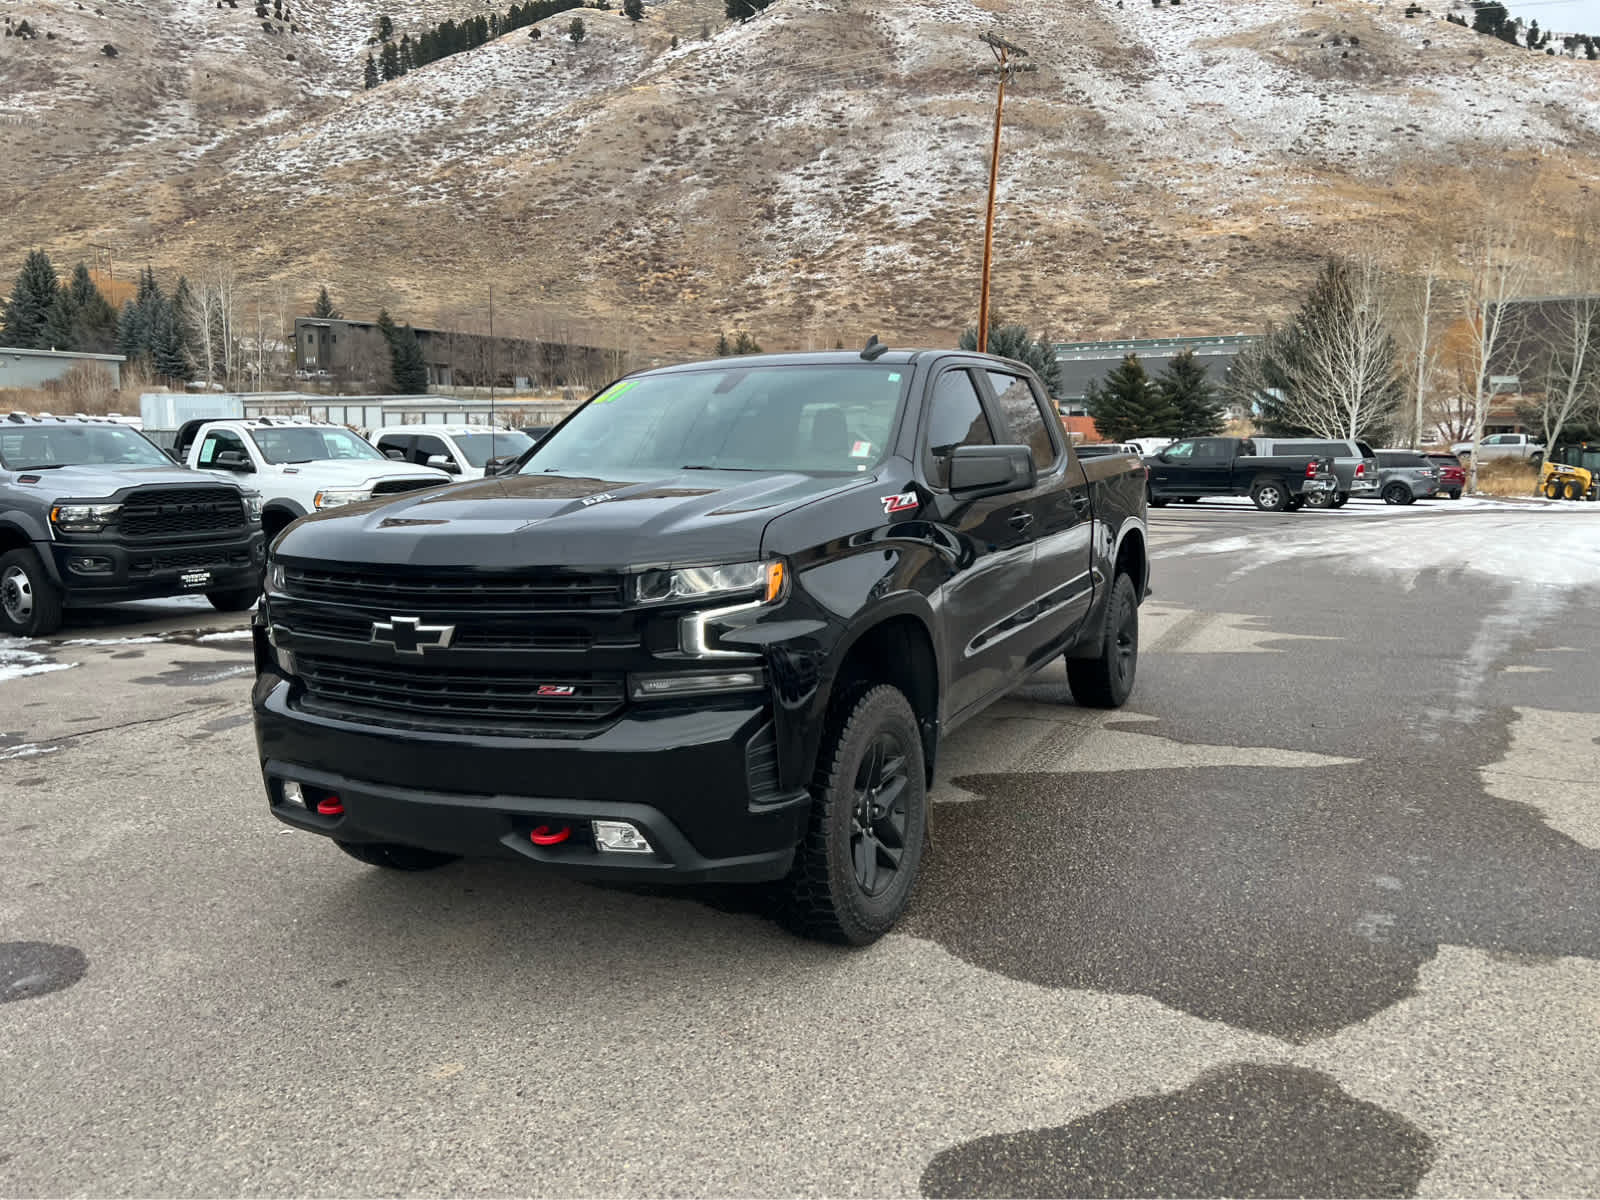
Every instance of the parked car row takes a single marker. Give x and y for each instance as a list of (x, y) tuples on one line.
[(93, 512)]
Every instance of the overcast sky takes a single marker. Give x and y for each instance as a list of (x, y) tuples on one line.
[(1564, 16)]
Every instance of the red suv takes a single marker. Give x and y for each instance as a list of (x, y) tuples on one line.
[(1452, 475)]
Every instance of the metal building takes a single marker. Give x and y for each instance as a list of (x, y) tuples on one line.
[(35, 368)]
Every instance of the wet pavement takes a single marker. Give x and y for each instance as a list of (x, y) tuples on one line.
[(1318, 913)]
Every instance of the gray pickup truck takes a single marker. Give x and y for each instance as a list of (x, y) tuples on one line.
[(91, 512)]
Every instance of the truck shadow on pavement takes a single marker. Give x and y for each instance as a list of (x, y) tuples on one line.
[(1287, 902)]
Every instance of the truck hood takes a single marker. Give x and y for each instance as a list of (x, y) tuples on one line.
[(355, 472), (94, 481), (552, 520)]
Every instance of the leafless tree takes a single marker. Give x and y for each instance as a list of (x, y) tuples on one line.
[(1342, 374), (1417, 332), (203, 326), (1497, 262)]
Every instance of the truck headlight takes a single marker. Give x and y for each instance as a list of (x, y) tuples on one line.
[(764, 580), (252, 507), (277, 583), (334, 497), (83, 518)]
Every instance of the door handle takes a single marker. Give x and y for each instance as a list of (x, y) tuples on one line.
[(1020, 520), (1080, 502)]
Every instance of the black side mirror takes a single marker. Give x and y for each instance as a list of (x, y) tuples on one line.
[(990, 470), (395, 453), (232, 460)]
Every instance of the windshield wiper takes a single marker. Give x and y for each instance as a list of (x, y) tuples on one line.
[(707, 467), (41, 467)]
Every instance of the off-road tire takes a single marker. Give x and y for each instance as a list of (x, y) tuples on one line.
[(824, 898), (1270, 497), (234, 599), (1106, 681), (1398, 493), (1572, 491), (30, 603), (1552, 490), (396, 858)]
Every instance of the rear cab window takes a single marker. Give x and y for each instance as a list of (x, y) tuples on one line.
[(955, 418), (1024, 416)]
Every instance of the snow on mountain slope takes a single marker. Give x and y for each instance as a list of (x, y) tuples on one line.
[(816, 170)]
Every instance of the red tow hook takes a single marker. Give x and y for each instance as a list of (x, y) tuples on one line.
[(543, 835), (331, 807)]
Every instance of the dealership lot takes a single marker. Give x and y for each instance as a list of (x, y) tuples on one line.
[(1329, 887)]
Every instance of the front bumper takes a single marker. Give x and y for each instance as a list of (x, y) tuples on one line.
[(124, 572), (687, 777)]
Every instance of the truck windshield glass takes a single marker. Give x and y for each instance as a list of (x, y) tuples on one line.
[(479, 448), (812, 418), (296, 444), (77, 445)]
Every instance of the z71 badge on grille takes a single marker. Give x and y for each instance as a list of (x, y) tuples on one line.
[(557, 689)]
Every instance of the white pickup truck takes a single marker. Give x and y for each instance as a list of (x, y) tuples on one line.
[(297, 464), (1502, 445)]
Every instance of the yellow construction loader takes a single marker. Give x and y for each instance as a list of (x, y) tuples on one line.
[(1559, 481)]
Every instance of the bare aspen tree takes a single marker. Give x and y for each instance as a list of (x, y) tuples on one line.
[(1420, 343), (1570, 337), (1342, 373), (202, 318), (1497, 266)]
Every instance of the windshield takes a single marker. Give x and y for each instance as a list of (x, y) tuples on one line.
[(301, 443), (814, 418), (479, 448), (77, 445)]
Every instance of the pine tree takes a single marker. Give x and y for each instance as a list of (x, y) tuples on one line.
[(133, 332), (407, 54), (723, 347), (32, 297), (60, 324), (371, 75), (323, 309), (633, 9), (1128, 405), (1183, 385), (385, 28), (575, 31), (167, 351), (410, 370), (96, 320), (186, 315), (389, 62)]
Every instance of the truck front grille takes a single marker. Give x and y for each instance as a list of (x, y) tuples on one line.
[(380, 587), (345, 625), (392, 487), (456, 700), (163, 512)]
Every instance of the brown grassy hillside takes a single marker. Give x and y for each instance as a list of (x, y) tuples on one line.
[(815, 174)]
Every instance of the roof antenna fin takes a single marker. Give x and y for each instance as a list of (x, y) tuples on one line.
[(873, 349)]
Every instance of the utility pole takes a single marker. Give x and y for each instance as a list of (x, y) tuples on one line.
[(491, 370), (1004, 52)]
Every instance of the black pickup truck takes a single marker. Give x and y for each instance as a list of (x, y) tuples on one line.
[(712, 628), (1224, 466), (91, 512)]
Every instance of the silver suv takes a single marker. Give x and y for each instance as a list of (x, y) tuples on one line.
[(1405, 476), (1355, 463)]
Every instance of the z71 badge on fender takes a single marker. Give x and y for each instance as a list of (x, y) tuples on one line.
[(904, 502)]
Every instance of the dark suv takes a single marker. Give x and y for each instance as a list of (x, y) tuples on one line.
[(1405, 476)]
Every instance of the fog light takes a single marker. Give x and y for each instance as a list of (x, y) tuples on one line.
[(292, 794), (655, 687), (620, 837), (89, 566)]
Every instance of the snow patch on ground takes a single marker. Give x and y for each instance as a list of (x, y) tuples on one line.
[(17, 661)]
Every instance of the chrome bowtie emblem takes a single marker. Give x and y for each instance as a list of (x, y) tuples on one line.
[(408, 635)]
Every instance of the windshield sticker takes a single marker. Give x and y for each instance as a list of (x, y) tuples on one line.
[(611, 393), (894, 376), (860, 449), (904, 502)]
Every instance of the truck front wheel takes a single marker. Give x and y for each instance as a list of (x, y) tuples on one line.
[(1106, 681), (854, 871), (30, 604)]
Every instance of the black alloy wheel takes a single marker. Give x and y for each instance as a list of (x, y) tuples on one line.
[(1106, 681), (1397, 493), (878, 823)]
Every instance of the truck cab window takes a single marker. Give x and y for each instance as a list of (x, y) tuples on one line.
[(1020, 410), (216, 442), (955, 418)]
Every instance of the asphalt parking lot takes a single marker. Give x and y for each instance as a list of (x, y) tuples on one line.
[(1318, 913)]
